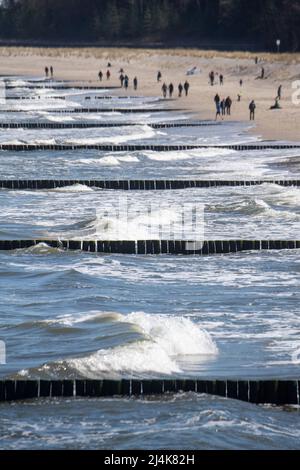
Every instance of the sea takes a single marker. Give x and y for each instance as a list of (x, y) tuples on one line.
[(67, 315)]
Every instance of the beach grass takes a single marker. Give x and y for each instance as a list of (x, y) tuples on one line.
[(116, 52)]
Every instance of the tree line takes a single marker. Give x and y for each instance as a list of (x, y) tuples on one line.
[(257, 21)]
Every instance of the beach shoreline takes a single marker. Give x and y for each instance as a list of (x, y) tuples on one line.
[(84, 64)]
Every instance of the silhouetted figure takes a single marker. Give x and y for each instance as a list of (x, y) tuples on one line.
[(279, 92), (135, 83), (122, 78), (159, 76), (239, 97), (218, 113), (256, 60), (126, 82), (100, 75), (171, 90), (221, 79), (121, 70), (241, 82), (212, 78), (180, 90), (51, 71), (217, 99), (228, 104), (164, 90), (186, 88), (108, 75), (223, 107), (108, 65), (262, 76), (46, 72), (252, 108)]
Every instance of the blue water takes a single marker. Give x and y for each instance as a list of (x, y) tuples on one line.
[(73, 315)]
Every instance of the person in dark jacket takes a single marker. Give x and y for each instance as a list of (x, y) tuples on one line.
[(164, 90), (228, 104), (252, 108), (186, 88)]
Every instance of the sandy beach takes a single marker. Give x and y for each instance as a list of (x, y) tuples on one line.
[(84, 65)]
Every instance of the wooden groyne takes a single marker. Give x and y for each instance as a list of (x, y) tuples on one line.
[(156, 247), (273, 392)]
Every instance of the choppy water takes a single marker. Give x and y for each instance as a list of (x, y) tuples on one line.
[(65, 315)]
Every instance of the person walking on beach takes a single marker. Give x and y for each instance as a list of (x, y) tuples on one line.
[(279, 92), (262, 76), (221, 80), (122, 78), (212, 78), (218, 108), (108, 75), (126, 82), (159, 76), (100, 75), (46, 72), (135, 83), (164, 90), (217, 99), (241, 82), (252, 107), (180, 90), (228, 104), (171, 90), (186, 88), (51, 71), (222, 106)]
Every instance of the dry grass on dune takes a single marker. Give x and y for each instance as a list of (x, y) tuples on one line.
[(115, 53)]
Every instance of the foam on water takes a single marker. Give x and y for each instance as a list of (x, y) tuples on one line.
[(75, 188), (163, 340), (113, 136), (124, 227)]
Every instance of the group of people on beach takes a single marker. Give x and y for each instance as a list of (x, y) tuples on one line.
[(170, 88), (223, 107), (100, 75), (212, 78), (49, 71), (124, 79)]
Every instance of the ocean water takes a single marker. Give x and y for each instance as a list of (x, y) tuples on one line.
[(84, 315)]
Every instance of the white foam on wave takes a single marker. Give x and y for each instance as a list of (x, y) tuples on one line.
[(109, 160), (75, 188), (131, 226), (187, 154), (264, 208), (137, 133), (164, 340), (60, 118)]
